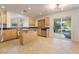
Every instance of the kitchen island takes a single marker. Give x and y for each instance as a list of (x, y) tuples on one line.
[(18, 33), (9, 34)]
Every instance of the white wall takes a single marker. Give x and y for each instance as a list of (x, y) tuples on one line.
[(74, 19), (11, 15)]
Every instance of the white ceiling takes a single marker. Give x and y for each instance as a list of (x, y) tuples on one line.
[(36, 8)]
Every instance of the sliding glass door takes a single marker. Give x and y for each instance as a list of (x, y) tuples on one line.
[(62, 27), (57, 25), (66, 27)]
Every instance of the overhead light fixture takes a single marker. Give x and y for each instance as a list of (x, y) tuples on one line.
[(56, 6), (29, 8), (24, 11), (60, 6)]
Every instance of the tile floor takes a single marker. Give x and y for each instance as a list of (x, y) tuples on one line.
[(41, 45)]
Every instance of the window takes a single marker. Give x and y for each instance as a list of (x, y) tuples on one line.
[(14, 22), (21, 22), (17, 22), (14, 25)]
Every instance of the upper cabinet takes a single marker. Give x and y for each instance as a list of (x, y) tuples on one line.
[(46, 21), (43, 22), (4, 17), (0, 18), (32, 22)]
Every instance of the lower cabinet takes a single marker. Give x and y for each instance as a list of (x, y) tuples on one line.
[(42, 32), (39, 32), (27, 36), (9, 34)]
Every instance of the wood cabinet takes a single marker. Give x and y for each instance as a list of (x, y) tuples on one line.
[(32, 22), (0, 19), (43, 22), (9, 34), (39, 31), (27, 36), (43, 26), (46, 21), (4, 17), (44, 32)]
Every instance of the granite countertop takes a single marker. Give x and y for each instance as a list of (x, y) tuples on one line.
[(19, 28)]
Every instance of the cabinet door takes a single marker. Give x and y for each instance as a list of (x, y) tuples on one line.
[(39, 31), (41, 23), (4, 17), (46, 21), (9, 34), (44, 33), (32, 21)]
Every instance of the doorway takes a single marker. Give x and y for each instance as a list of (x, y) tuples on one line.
[(62, 28)]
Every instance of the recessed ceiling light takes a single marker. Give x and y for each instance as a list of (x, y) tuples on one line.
[(40, 13), (51, 6), (32, 16), (2, 7), (29, 8)]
